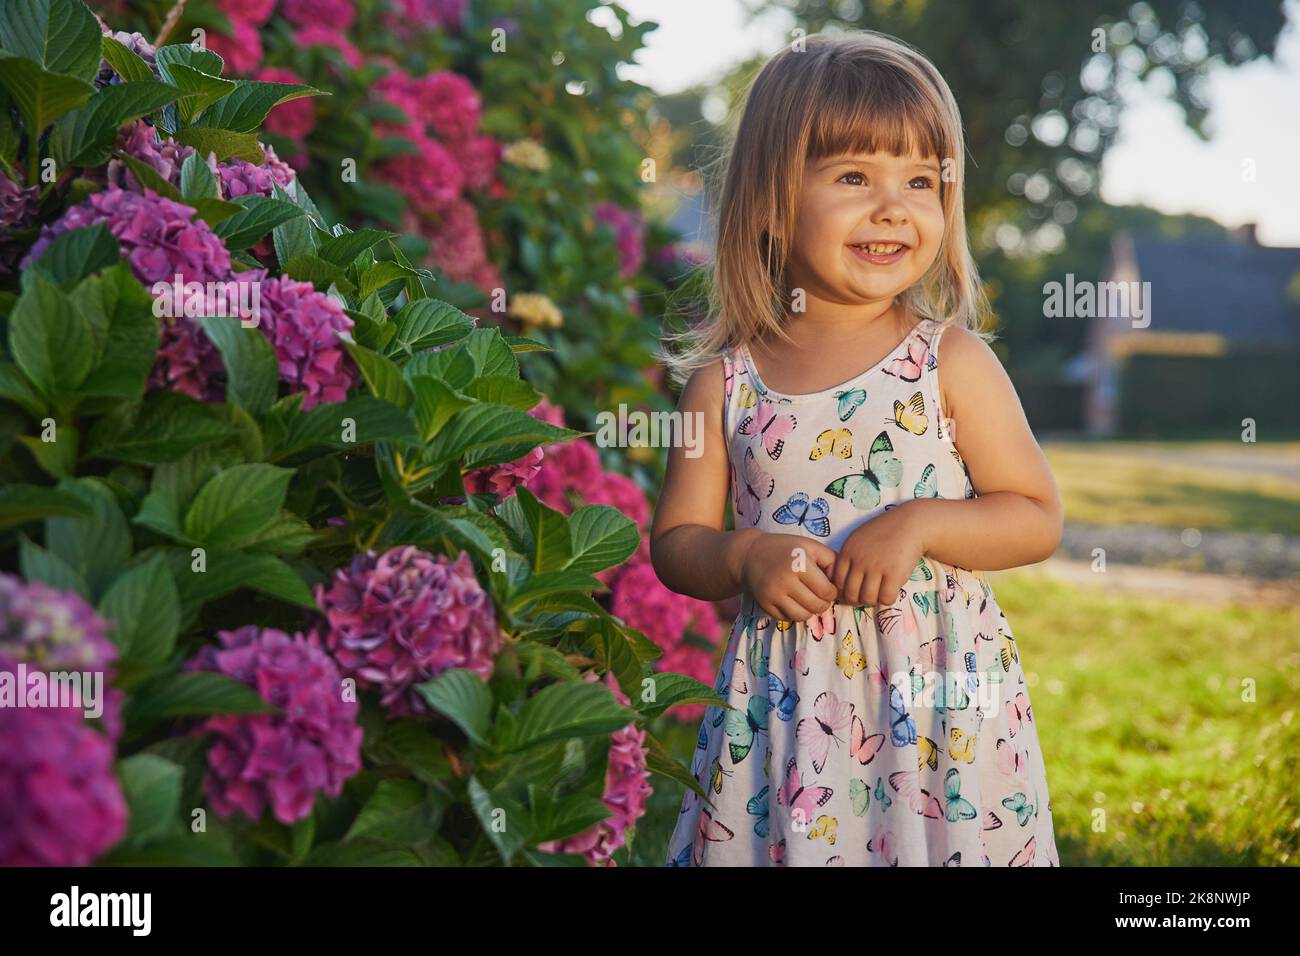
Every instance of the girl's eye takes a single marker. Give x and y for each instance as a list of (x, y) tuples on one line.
[(853, 179), (925, 181)]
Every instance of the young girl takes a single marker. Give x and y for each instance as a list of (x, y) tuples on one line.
[(879, 713)]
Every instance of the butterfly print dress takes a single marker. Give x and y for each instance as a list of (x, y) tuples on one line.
[(897, 735)]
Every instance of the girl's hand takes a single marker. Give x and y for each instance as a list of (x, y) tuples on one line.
[(787, 575), (878, 558)]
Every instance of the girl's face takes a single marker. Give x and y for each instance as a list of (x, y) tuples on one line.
[(868, 227)]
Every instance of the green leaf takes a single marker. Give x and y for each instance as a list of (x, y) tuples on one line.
[(294, 237), (222, 143), (205, 61), (372, 419), (259, 216), (489, 807), (491, 354), (41, 96), (672, 690), (484, 426), (566, 710), (435, 404), (381, 274), (550, 583), (164, 427), (426, 324), (86, 137), (244, 109), (149, 178), (252, 370), (21, 504), (203, 90), (454, 366), (60, 35), (342, 249), (197, 181), (15, 388), (152, 788), (77, 253), (397, 812), (228, 571), (602, 537), (236, 504), (520, 344), (464, 698), (96, 547), (37, 564), (362, 853), (56, 458), (144, 608), (120, 313), (126, 63), (48, 339), (504, 390), (383, 377), (213, 211), (547, 533), (659, 760), (193, 694)]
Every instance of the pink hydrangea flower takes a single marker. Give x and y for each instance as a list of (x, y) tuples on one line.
[(254, 12), (242, 50), (338, 13), (156, 236), (401, 618), (139, 140), (621, 492), (238, 177), (436, 14), (456, 244), (294, 119), (627, 788), (303, 326), (319, 34), (60, 801), (478, 157), (449, 103), (430, 178), (282, 759), (629, 230), (501, 480)]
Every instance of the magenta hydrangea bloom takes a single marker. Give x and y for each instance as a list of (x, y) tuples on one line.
[(456, 243), (621, 492), (242, 50), (479, 157), (55, 630), (337, 13), (156, 236), (449, 103), (254, 12), (303, 326), (503, 479), (239, 177), (60, 802), (282, 759), (319, 34), (430, 178), (400, 618), (294, 119), (629, 235), (641, 601), (140, 141), (627, 788), (436, 14)]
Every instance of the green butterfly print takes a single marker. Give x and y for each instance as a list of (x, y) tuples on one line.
[(882, 798), (928, 486), (958, 808), (949, 694), (757, 807), (1019, 804), (850, 402), (927, 601), (743, 726), (757, 659), (880, 470), (922, 572), (859, 796)]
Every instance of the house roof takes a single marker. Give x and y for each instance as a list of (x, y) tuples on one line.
[(1229, 287)]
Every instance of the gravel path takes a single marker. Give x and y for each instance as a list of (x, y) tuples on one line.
[(1266, 556)]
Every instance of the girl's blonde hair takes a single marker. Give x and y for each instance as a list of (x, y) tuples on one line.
[(829, 94)]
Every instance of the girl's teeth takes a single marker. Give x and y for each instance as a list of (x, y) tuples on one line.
[(881, 249)]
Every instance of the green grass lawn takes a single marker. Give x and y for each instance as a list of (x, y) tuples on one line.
[(1140, 712), (1168, 484)]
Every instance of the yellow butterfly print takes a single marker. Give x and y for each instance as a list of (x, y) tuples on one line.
[(848, 658), (833, 441), (928, 753), (1007, 651), (825, 826), (717, 773), (912, 417), (748, 397), (961, 745)]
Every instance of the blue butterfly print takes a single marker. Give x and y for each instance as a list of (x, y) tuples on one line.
[(811, 514), (758, 806), (902, 728), (780, 698), (850, 401)]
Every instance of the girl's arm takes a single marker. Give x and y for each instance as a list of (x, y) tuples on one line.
[(1017, 518), (689, 549)]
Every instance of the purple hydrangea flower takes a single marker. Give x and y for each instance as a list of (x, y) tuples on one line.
[(241, 178), (402, 617), (60, 801), (54, 630), (136, 43), (17, 210), (629, 235), (140, 141), (303, 326), (283, 759)]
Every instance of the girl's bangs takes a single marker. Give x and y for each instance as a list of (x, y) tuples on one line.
[(877, 110)]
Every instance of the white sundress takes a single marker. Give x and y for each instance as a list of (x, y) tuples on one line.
[(896, 735)]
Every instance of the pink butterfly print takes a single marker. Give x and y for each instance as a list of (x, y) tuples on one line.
[(822, 624), (800, 799), (909, 369), (1019, 713), (815, 733), (756, 486), (1025, 855), (799, 662), (835, 861), (776, 853), (729, 373), (709, 831), (991, 820), (897, 622), (882, 842), (1011, 761), (773, 428), (908, 785), (863, 748)]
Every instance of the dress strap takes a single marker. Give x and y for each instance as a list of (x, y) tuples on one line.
[(934, 333), (728, 387)]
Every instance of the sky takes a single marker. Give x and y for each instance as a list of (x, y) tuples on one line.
[(1253, 123)]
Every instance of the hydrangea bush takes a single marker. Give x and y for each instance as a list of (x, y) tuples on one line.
[(255, 474)]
